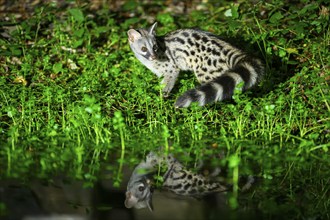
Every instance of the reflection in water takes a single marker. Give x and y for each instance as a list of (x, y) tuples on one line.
[(60, 198), (70, 200), (174, 177), (276, 194)]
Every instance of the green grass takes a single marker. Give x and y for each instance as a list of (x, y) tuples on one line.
[(73, 99)]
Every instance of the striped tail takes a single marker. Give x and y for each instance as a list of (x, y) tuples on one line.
[(248, 70)]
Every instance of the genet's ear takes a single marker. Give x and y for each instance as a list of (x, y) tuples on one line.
[(152, 29), (133, 35)]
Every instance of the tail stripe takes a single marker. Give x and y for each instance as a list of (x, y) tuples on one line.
[(235, 57), (246, 70), (206, 94), (228, 84), (253, 75), (250, 70), (236, 76), (219, 90)]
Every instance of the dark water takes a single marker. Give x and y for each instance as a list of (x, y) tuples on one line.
[(64, 199), (31, 194)]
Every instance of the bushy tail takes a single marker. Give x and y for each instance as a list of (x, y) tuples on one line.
[(248, 70)]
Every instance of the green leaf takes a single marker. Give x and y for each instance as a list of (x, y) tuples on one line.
[(234, 24), (130, 5), (52, 133), (57, 67), (14, 51), (300, 28), (228, 13), (234, 11), (308, 7), (78, 43), (79, 33), (234, 161), (275, 18), (101, 29), (292, 50), (282, 53), (130, 21), (77, 14), (165, 18)]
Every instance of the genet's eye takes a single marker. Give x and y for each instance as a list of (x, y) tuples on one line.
[(141, 188), (155, 48), (144, 49)]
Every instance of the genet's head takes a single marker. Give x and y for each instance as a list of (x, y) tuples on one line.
[(143, 42), (139, 194)]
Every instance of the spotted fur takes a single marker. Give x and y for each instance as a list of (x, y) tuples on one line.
[(218, 65)]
